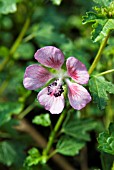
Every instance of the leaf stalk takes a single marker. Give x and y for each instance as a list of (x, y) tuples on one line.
[(105, 72), (99, 53), (16, 44), (53, 134)]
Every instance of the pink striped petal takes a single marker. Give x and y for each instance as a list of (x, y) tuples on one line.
[(78, 95), (77, 70), (35, 76), (54, 104), (50, 56)]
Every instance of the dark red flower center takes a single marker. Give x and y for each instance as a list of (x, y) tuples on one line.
[(55, 89)]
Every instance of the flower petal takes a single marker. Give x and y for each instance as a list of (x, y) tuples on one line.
[(50, 56), (35, 76), (54, 104), (78, 95), (77, 70)]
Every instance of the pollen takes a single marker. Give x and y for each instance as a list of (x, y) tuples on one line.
[(55, 89)]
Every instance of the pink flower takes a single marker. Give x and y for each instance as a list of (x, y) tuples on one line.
[(51, 97)]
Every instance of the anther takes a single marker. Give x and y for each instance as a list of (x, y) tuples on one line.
[(55, 89)]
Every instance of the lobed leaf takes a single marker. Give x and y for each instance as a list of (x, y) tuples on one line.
[(107, 161), (33, 158), (79, 128), (43, 119), (99, 87), (7, 153), (97, 28), (8, 109), (8, 6), (102, 19), (24, 51), (47, 34), (105, 27), (69, 146), (89, 17), (106, 140), (11, 152)]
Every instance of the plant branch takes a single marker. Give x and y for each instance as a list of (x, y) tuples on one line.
[(16, 44), (105, 72), (3, 86), (25, 126), (109, 116), (26, 111), (53, 152), (99, 53), (53, 134)]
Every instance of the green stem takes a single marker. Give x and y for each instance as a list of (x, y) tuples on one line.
[(98, 56), (109, 114), (16, 44), (112, 166), (105, 72), (3, 86), (52, 154), (27, 110), (53, 134)]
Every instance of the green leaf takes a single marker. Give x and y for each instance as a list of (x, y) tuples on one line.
[(33, 158), (106, 25), (69, 146), (79, 128), (46, 34), (7, 153), (107, 161), (56, 2), (9, 129), (106, 140), (12, 153), (8, 109), (102, 19), (89, 17), (7, 6), (99, 88), (24, 51), (19, 147), (43, 119), (4, 51), (97, 29), (103, 2)]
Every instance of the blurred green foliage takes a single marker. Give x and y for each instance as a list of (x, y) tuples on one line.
[(106, 146), (25, 26), (42, 119), (99, 90), (106, 140)]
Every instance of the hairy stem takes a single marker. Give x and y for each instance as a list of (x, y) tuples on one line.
[(16, 44), (105, 72), (99, 53), (53, 134), (25, 126)]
